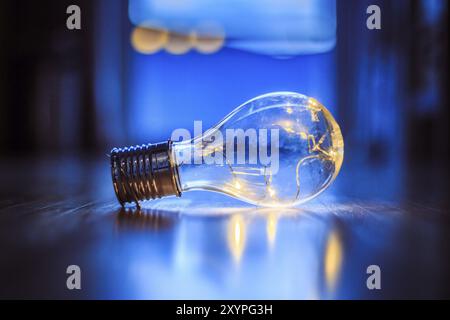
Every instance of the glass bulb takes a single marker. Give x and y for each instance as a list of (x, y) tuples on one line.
[(279, 149)]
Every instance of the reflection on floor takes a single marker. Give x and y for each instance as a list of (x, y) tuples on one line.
[(208, 246)]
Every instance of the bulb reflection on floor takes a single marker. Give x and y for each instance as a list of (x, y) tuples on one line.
[(245, 252), (333, 260), (191, 249), (236, 236)]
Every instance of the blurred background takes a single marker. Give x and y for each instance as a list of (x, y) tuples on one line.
[(139, 69)]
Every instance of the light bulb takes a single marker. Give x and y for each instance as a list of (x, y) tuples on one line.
[(277, 150)]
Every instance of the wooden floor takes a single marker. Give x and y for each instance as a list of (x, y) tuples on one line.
[(56, 213)]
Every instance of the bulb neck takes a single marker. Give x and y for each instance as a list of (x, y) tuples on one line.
[(144, 172)]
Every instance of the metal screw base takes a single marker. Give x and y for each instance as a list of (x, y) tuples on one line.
[(144, 172)]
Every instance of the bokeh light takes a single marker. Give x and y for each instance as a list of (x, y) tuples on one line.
[(147, 40), (180, 43)]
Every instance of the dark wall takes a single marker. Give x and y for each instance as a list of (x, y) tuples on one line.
[(46, 78), (392, 84)]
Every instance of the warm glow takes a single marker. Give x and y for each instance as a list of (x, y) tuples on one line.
[(148, 40), (236, 236), (287, 126), (271, 191), (314, 107), (180, 43), (210, 37), (333, 260), (209, 45), (303, 135), (272, 221)]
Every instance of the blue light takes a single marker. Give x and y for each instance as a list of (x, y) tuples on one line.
[(279, 28), (169, 92)]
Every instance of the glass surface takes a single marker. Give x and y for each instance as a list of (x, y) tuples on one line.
[(279, 149)]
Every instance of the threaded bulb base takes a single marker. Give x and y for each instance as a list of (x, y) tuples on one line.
[(144, 172)]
